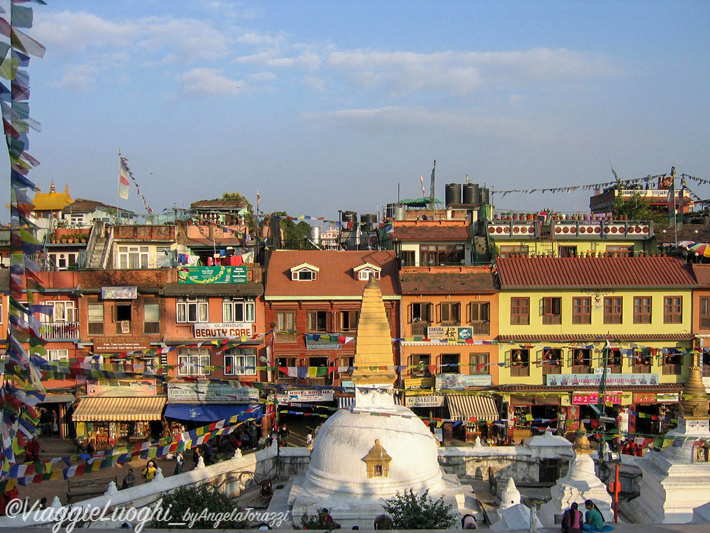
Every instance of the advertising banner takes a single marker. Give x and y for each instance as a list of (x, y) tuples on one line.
[(426, 400), (219, 330), (592, 398), (305, 396), (450, 333), (594, 380), (121, 387), (210, 392), (119, 293), (462, 381), (204, 275)]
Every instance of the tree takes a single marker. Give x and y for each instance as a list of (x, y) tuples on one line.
[(294, 235), (409, 510), (638, 208), (238, 198)]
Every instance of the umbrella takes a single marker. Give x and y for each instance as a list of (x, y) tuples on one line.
[(686, 244), (701, 249)]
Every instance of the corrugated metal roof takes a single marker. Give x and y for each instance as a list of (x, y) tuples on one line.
[(450, 283), (590, 337), (575, 272), (119, 409), (214, 289), (335, 279), (432, 233)]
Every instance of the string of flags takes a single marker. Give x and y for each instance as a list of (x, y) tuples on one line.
[(123, 183)]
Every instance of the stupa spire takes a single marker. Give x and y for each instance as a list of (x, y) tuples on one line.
[(373, 355), (693, 404)]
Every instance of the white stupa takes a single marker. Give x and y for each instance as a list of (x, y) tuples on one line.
[(579, 485), (676, 479), (376, 448), (511, 513)]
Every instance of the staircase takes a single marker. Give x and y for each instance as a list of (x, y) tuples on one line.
[(98, 247)]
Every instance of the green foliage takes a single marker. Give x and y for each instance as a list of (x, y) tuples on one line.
[(187, 503), (238, 198), (409, 510), (315, 521), (295, 235), (637, 208)]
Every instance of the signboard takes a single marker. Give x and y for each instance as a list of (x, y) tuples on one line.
[(419, 383), (462, 381), (121, 388), (594, 380), (348, 386), (322, 343), (644, 397), (592, 398), (210, 392), (305, 396), (425, 400), (119, 293), (667, 397), (218, 330), (205, 275), (450, 333), (122, 343)]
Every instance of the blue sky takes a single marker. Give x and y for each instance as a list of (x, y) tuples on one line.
[(327, 105)]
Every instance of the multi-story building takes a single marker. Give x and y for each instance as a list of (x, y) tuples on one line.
[(313, 300), (563, 320)]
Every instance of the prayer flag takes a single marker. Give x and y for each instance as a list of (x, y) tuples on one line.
[(123, 185)]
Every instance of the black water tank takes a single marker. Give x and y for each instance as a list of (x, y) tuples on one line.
[(349, 216), (470, 193), (369, 222), (453, 193), (485, 197)]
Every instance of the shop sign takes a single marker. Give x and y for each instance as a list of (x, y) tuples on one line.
[(592, 398), (219, 330), (305, 396), (644, 397), (121, 343), (206, 275), (419, 383), (322, 342), (667, 397), (450, 333), (119, 293), (117, 388), (348, 386), (425, 400), (462, 381), (210, 392), (594, 380)]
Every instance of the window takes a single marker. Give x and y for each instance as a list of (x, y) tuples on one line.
[(123, 318), (641, 361), (151, 317), (568, 251), (582, 310), (304, 275), (450, 363), (441, 254), (421, 362), (348, 320), (551, 361), (193, 361), (551, 310), (96, 318), (366, 273), (513, 251), (2, 313), (420, 317), (317, 321), (63, 261), (450, 314), (238, 310), (286, 326), (673, 310), (520, 363), (479, 364), (620, 251), (704, 313), (612, 310), (672, 362), (407, 257), (57, 355), (61, 312), (480, 318), (581, 361), (520, 311), (642, 309), (613, 360), (133, 257), (240, 362), (191, 310)]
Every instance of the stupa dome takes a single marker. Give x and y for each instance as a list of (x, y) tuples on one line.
[(344, 441)]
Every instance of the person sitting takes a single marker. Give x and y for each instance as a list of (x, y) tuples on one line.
[(572, 519), (469, 522), (383, 521), (266, 489), (593, 519), (129, 480)]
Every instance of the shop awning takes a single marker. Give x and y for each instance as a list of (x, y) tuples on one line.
[(119, 409), (58, 398), (212, 412), (464, 407)]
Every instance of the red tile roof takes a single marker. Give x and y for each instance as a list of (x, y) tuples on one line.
[(432, 233), (442, 282), (702, 274), (590, 337), (584, 272), (335, 278)]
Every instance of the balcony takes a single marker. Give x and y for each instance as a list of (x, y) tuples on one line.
[(53, 331)]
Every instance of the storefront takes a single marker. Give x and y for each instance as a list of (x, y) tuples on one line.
[(58, 405), (477, 412)]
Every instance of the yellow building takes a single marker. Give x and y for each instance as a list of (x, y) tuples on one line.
[(562, 319)]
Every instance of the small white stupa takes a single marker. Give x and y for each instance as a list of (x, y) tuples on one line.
[(676, 479), (359, 459), (511, 513), (579, 485)]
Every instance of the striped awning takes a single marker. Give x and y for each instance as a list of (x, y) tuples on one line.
[(466, 406), (119, 409)]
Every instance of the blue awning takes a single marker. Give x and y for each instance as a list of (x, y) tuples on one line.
[(212, 412)]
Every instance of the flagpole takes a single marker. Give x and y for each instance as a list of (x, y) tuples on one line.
[(118, 192)]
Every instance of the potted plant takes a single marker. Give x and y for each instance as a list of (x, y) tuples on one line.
[(53, 237), (70, 237)]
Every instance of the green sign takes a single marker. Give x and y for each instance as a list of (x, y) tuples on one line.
[(212, 274)]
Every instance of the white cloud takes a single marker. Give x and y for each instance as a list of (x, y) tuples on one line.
[(206, 81), (263, 76), (77, 77)]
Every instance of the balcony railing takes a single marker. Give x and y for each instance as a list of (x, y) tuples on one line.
[(52, 331)]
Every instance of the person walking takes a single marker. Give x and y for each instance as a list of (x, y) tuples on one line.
[(149, 471), (179, 463), (129, 480)]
